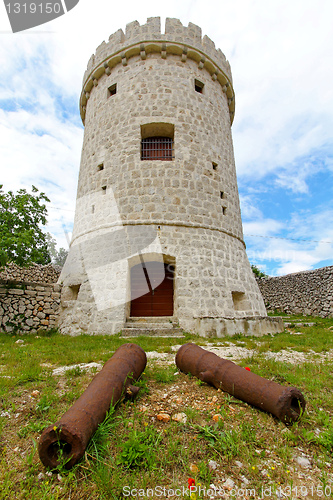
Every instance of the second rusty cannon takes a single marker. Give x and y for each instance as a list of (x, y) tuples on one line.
[(286, 403), (68, 438)]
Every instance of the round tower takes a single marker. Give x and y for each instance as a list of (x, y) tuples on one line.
[(157, 231)]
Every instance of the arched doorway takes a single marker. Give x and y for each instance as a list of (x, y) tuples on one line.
[(152, 289)]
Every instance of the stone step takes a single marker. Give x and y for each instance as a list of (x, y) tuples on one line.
[(154, 326), (150, 326), (143, 320)]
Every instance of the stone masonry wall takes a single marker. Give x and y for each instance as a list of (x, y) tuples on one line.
[(35, 273), (309, 292), (27, 303)]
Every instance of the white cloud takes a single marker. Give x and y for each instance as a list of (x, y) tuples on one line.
[(306, 241)]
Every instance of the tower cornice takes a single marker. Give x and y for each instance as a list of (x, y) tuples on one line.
[(184, 42)]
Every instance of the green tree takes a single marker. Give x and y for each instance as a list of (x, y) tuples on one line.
[(21, 238), (61, 257), (58, 257), (258, 272)]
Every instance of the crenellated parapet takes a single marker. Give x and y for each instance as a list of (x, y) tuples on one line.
[(142, 40)]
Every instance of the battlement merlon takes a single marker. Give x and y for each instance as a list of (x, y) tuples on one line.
[(190, 36)]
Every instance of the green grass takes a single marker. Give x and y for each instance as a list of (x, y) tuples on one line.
[(131, 448)]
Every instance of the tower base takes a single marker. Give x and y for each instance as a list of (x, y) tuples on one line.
[(222, 327)]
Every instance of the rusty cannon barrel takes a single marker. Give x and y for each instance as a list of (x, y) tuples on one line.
[(286, 403), (68, 438)]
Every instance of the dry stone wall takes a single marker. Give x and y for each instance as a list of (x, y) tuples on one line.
[(309, 292), (35, 273), (27, 303)]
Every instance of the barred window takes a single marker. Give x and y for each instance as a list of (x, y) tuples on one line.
[(157, 148)]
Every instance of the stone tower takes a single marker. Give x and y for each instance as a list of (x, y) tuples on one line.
[(157, 231)]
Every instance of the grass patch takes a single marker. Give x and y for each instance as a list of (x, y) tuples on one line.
[(132, 449)]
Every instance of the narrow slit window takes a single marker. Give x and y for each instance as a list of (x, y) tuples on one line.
[(224, 210), (112, 90), (214, 165), (198, 86), (100, 167), (103, 189), (222, 195), (93, 209), (239, 301), (157, 148), (74, 289)]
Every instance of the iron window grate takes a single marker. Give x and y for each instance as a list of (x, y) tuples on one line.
[(157, 148)]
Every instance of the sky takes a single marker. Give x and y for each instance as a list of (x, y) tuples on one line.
[(281, 56)]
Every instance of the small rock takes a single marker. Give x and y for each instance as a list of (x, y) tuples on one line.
[(214, 399), (194, 469), (48, 473), (59, 478), (212, 464), (176, 373), (19, 341), (35, 394), (303, 462), (217, 417), (244, 480), (41, 476), (82, 366), (180, 417), (163, 417), (5, 414), (17, 449), (228, 484), (238, 463)]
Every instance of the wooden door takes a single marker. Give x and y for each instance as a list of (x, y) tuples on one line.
[(152, 289)]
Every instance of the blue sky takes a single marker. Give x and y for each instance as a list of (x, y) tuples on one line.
[(281, 55)]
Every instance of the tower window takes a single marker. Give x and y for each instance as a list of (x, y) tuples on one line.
[(157, 141), (224, 210), (100, 167), (103, 189), (74, 290), (157, 148), (222, 195), (198, 86), (239, 301), (112, 90), (214, 165)]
